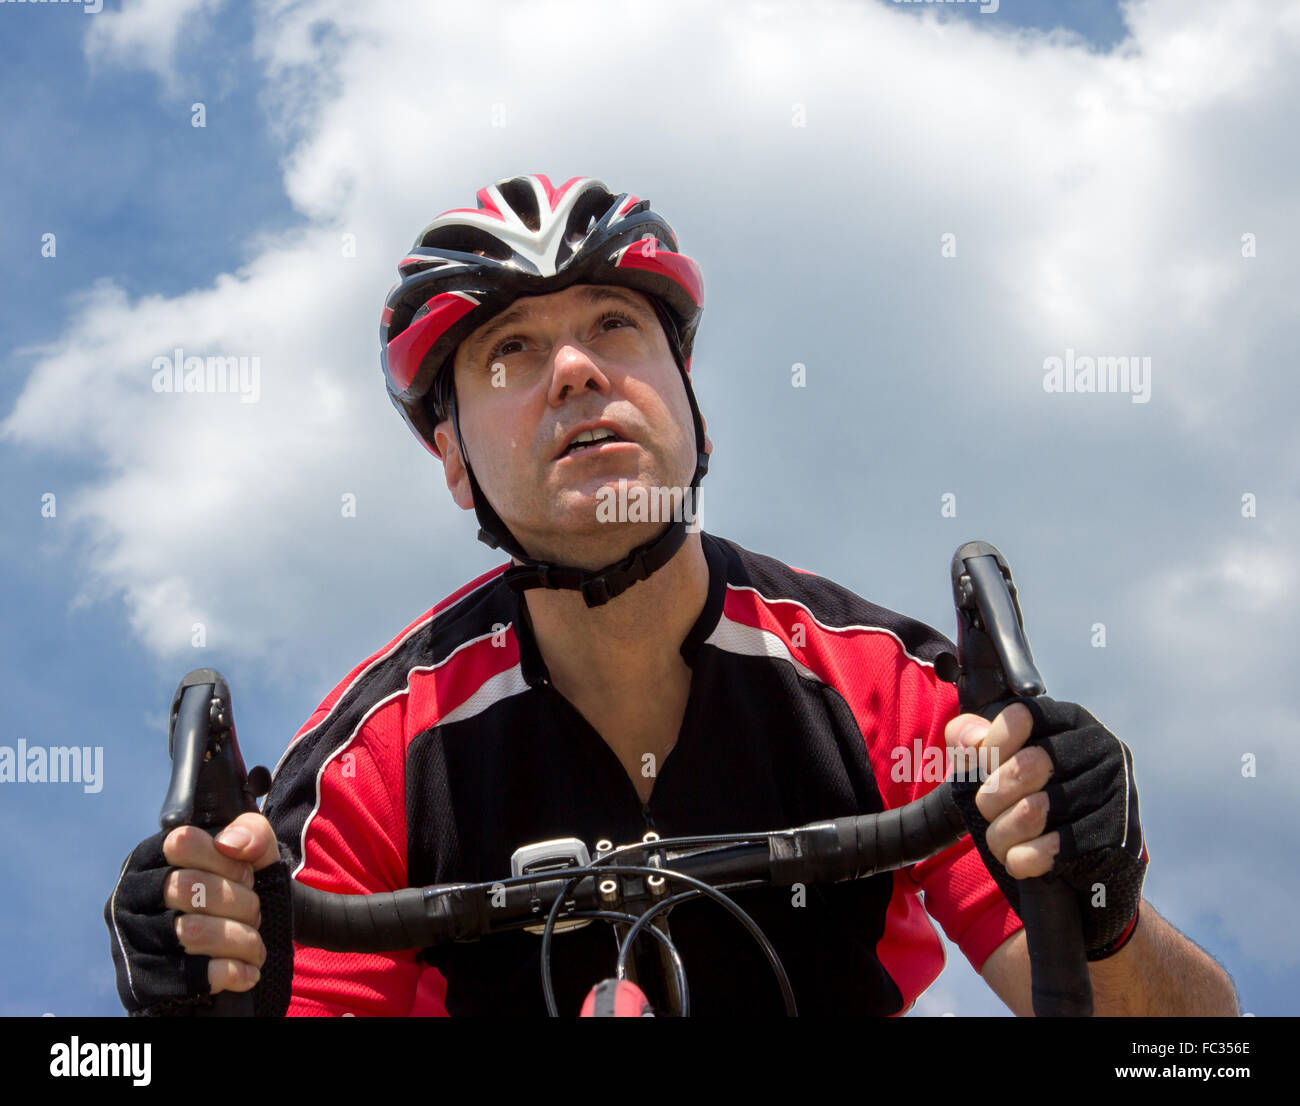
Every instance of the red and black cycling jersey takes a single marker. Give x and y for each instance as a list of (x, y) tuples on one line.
[(444, 752)]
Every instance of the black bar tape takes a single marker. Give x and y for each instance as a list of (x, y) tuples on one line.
[(858, 845), (387, 921), (1058, 967)]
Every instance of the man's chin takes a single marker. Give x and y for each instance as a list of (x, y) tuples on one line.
[(605, 517), (588, 503)]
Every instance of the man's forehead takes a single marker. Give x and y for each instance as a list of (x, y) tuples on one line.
[(583, 294)]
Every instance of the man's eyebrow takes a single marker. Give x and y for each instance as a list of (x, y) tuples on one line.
[(588, 294)]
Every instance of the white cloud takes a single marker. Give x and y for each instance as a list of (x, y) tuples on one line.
[(1225, 613), (145, 34)]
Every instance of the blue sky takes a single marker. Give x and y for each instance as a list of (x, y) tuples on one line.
[(1098, 167)]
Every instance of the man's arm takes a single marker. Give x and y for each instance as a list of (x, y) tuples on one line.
[(1158, 973)]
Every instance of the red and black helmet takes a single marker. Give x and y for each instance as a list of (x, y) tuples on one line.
[(527, 238)]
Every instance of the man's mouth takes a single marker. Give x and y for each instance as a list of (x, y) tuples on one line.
[(590, 440)]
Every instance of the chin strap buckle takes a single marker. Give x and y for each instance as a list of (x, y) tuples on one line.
[(596, 591), (616, 579)]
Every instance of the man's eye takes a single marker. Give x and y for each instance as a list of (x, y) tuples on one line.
[(615, 315), (500, 350)]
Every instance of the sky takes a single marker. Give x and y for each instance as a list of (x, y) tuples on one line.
[(929, 207)]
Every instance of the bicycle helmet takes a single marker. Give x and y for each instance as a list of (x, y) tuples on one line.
[(528, 238)]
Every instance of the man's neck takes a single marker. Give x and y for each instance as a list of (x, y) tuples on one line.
[(628, 642)]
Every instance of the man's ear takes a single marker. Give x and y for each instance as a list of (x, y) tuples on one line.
[(453, 465), (708, 442)]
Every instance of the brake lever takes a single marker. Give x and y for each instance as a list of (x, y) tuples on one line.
[(993, 663), (209, 786)]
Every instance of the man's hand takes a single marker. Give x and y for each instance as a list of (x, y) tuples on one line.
[(1012, 798), (1060, 798), (192, 915), (225, 926)]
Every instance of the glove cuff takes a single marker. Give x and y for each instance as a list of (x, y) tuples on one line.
[(1119, 942), (273, 885)]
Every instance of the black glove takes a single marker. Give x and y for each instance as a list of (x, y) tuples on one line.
[(156, 977), (1093, 803)]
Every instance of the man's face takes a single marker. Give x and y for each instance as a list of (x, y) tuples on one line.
[(530, 378)]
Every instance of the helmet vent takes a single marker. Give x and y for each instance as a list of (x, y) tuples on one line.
[(585, 215), (522, 198), (467, 239)]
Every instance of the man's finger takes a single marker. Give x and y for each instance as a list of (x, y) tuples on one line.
[(247, 842), (191, 847), (1024, 773), (1033, 858), (202, 935), (221, 897), (1022, 821), (231, 975), (954, 734), (250, 837), (1007, 733)]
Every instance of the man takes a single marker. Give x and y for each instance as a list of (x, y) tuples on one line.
[(628, 672)]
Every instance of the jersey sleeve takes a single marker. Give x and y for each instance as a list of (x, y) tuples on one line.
[(338, 804), (904, 732)]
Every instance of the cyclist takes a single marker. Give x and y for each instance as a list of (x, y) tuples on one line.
[(627, 671)]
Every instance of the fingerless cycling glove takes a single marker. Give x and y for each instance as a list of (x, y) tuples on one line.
[(1093, 803), (156, 977)]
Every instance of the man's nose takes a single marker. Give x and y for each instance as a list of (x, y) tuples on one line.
[(574, 370)]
